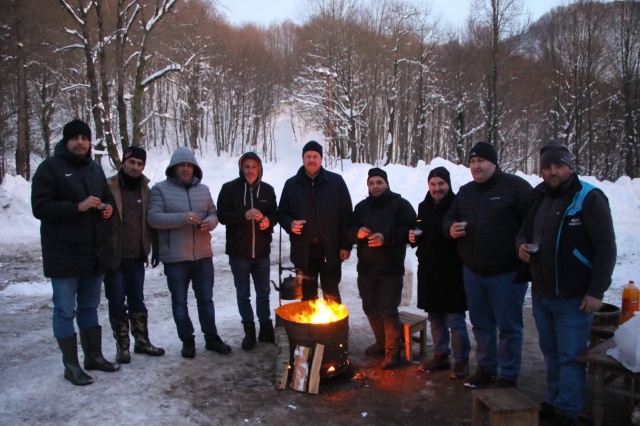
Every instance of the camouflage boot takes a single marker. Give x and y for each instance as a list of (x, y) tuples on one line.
[(141, 335), (120, 328)]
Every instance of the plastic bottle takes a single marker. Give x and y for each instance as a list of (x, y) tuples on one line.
[(630, 302)]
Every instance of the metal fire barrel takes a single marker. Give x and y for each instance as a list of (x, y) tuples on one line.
[(334, 336)]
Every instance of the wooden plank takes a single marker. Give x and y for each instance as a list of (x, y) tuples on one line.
[(284, 378), (283, 354), (314, 375), (300, 378)]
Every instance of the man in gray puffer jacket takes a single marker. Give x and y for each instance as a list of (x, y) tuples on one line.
[(182, 210)]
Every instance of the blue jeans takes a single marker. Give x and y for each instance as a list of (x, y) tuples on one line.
[(83, 292), (200, 273), (564, 332), (459, 337), (495, 309), (125, 285), (259, 269)]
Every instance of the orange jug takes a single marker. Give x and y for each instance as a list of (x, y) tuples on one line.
[(630, 302)]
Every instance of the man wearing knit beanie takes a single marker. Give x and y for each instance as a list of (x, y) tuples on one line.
[(484, 220), (313, 210), (440, 284), (70, 197), (568, 241), (124, 286), (379, 227)]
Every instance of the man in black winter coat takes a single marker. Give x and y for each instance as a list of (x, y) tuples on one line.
[(70, 196), (440, 284), (247, 206), (484, 220), (379, 226), (569, 242), (314, 208)]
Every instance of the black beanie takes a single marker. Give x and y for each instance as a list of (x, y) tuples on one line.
[(75, 128), (484, 150), (442, 173), (312, 146), (378, 172), (135, 152), (555, 153)]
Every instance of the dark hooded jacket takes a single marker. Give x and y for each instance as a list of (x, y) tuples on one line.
[(392, 216), (577, 241), (74, 244), (170, 200), (244, 237), (325, 204), (440, 284)]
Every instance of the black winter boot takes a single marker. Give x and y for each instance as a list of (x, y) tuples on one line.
[(140, 332), (216, 344), (267, 334), (188, 347), (91, 341), (120, 328), (249, 340), (392, 359), (72, 370)]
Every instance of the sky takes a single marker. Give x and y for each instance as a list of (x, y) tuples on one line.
[(266, 12)]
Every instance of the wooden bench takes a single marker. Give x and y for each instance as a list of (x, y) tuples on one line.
[(411, 324), (506, 407)]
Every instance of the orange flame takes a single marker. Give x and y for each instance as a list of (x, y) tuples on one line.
[(321, 312)]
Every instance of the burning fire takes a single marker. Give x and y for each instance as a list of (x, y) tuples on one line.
[(320, 311)]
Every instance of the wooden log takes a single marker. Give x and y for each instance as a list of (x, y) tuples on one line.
[(314, 374), (283, 354), (301, 357)]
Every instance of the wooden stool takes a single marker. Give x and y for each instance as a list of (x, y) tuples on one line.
[(507, 407), (411, 324)]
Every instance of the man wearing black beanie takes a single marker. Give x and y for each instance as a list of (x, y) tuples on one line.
[(313, 210), (569, 229), (484, 220), (379, 226), (124, 286), (70, 196)]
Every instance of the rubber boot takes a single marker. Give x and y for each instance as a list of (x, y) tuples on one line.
[(91, 341), (267, 333), (140, 332), (249, 340), (72, 370), (120, 328)]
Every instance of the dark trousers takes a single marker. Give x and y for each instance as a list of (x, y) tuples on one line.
[(381, 295), (124, 288), (329, 277)]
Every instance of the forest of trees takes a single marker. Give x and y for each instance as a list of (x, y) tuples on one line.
[(382, 79)]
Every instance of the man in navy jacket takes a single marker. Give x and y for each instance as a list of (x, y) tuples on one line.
[(314, 208)]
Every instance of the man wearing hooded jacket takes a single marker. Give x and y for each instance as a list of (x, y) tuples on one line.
[(183, 212), (379, 226), (70, 196), (247, 207)]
